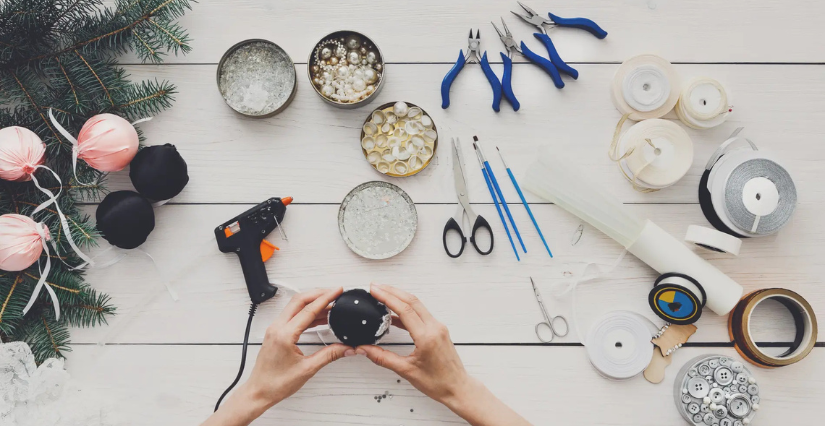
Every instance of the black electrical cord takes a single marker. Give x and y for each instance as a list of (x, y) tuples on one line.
[(252, 310)]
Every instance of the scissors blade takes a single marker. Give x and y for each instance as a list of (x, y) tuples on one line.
[(536, 292), (459, 176)]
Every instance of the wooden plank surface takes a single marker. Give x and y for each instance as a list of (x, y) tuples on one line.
[(168, 361)]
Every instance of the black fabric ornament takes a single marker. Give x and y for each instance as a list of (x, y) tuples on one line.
[(357, 318), (125, 219), (159, 172)]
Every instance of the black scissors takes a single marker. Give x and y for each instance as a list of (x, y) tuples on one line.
[(456, 223)]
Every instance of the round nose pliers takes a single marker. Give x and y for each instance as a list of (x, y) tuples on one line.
[(473, 47)]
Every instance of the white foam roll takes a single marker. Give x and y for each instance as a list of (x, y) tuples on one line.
[(661, 162), (704, 103), (618, 344), (645, 86), (712, 239)]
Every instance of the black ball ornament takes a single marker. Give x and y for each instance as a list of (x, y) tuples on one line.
[(125, 219), (159, 172), (357, 318)]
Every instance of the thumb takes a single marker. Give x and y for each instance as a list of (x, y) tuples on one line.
[(384, 358), (325, 356)]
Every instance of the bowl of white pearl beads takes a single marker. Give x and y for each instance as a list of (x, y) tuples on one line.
[(346, 69), (399, 139)]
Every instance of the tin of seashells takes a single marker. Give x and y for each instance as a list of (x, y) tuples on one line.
[(346, 68), (399, 139)]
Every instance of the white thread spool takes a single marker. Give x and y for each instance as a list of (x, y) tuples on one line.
[(645, 86), (712, 239), (704, 103), (656, 164), (618, 344)]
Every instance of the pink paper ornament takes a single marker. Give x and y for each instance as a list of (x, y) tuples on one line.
[(21, 151), (107, 142), (21, 241)]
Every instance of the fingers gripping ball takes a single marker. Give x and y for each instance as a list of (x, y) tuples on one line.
[(20, 241), (125, 219), (21, 150), (107, 142), (357, 318), (159, 172)]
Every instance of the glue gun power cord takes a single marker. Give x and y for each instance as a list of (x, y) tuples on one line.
[(252, 309)]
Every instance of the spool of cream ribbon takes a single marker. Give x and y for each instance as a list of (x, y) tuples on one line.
[(713, 240), (618, 344), (653, 154), (703, 103), (645, 86)]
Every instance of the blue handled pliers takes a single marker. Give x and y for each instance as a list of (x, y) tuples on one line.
[(473, 47), (533, 18)]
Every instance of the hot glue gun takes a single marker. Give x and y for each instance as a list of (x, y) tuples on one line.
[(244, 235)]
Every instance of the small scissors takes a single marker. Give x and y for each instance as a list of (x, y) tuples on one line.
[(548, 320), (456, 223)]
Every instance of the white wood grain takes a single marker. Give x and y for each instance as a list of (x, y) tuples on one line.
[(482, 299), (174, 385), (434, 30), (312, 150)]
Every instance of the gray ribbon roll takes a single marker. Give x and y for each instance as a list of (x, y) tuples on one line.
[(738, 212)]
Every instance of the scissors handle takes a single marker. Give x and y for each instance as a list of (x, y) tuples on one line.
[(551, 333), (452, 225), (479, 223)]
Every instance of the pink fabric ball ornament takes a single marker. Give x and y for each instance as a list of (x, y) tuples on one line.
[(107, 142), (21, 150), (20, 241)]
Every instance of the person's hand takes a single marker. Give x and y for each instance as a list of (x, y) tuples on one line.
[(434, 367)]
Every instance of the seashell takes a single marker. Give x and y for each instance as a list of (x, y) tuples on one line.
[(400, 168), (403, 154), (426, 153), (368, 143), (394, 142), (414, 112), (417, 141), (381, 141), (426, 121), (370, 129), (414, 127), (374, 157), (430, 135), (415, 162), (400, 133), (400, 109), (391, 118), (383, 167), (378, 117), (386, 128), (395, 151)]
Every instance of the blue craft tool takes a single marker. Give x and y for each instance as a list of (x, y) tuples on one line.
[(492, 175), (523, 201), (473, 56), (495, 201)]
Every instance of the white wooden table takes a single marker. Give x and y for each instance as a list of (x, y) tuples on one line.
[(171, 362)]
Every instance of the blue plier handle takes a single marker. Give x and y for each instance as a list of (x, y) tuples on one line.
[(472, 56), (579, 23)]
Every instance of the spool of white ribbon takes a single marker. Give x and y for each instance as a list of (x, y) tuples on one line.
[(704, 103), (618, 344), (645, 86), (653, 154), (713, 240)]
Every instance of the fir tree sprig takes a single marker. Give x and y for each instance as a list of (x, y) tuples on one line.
[(60, 55)]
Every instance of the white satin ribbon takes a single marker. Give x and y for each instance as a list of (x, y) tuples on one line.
[(44, 273), (645, 86), (704, 103)]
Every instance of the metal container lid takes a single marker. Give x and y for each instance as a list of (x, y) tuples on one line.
[(342, 38), (377, 220)]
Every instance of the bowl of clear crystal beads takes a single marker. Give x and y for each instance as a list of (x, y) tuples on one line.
[(399, 139), (346, 69)]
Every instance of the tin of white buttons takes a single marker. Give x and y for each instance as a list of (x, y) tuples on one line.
[(735, 405)]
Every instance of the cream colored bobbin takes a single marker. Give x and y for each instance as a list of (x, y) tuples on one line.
[(704, 103), (713, 240), (645, 86)]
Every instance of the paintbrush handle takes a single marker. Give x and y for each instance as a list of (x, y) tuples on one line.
[(530, 212), (504, 203), (500, 214)]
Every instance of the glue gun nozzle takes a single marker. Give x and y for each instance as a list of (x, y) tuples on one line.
[(286, 201)]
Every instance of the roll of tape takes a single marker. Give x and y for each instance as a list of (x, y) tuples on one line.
[(713, 240), (618, 344), (645, 86), (703, 103), (746, 193), (677, 298), (739, 323), (652, 154)]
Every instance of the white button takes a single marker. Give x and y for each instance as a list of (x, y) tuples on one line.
[(737, 367), (739, 406), (693, 408), (717, 396), (723, 376), (698, 387)]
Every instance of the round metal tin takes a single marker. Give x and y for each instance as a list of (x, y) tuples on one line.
[(378, 86), (377, 220), (366, 153), (283, 62)]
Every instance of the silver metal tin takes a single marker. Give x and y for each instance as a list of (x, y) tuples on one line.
[(287, 64), (377, 220), (736, 405), (378, 87)]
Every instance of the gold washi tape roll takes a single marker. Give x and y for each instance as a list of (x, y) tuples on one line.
[(804, 320)]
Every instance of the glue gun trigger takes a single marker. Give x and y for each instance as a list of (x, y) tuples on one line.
[(267, 250)]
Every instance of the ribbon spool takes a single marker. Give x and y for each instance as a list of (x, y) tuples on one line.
[(704, 103), (618, 344), (653, 154), (804, 320), (677, 298), (713, 240), (744, 192), (645, 87)]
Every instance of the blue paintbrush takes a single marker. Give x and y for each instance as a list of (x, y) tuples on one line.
[(523, 201), (492, 175)]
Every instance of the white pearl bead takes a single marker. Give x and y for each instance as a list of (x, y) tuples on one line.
[(400, 109), (343, 72), (327, 90), (746, 421), (712, 406), (371, 57), (326, 53), (755, 406), (706, 400), (751, 380), (370, 76), (359, 85), (353, 57)]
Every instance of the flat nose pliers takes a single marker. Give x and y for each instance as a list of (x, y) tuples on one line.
[(473, 47)]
